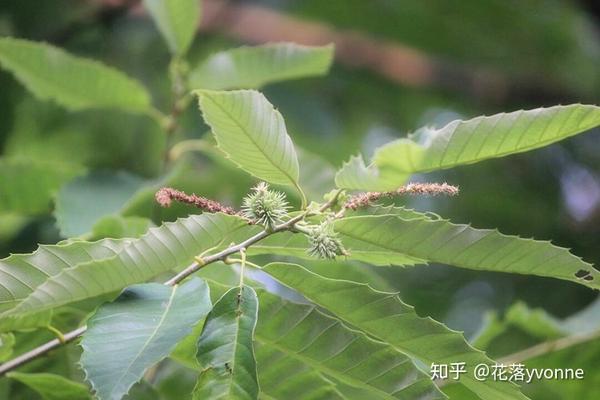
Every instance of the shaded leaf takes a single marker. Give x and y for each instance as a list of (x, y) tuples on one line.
[(225, 349), (85, 200), (137, 330), (27, 322), (28, 186), (177, 20), (116, 226), (53, 387), (170, 246), (253, 67), (321, 343), (386, 318), (7, 342), (251, 133), (73, 82), (283, 377), (463, 246)]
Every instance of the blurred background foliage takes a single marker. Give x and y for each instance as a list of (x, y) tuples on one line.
[(401, 65)]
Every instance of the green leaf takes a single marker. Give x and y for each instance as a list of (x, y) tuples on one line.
[(467, 142), (322, 343), (28, 186), (466, 247), (252, 134), (141, 327), (225, 349), (283, 377), (53, 387), (177, 20), (7, 342), (254, 67), (170, 246), (85, 200), (116, 226), (73, 82), (21, 274), (386, 318), (12, 323)]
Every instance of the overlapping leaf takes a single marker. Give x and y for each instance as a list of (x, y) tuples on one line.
[(177, 20), (138, 329), (53, 387), (170, 246), (463, 246), (29, 185), (252, 134), (225, 349), (76, 83), (307, 339), (253, 67), (84, 200), (466, 142), (386, 318)]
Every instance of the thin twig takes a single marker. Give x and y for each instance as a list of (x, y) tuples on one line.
[(220, 256)]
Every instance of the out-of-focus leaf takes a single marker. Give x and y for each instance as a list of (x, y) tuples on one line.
[(177, 20), (225, 349), (170, 246), (116, 226), (76, 83), (7, 342), (253, 67), (22, 323), (27, 186), (53, 387), (137, 330), (386, 318), (322, 343), (85, 200), (466, 247), (467, 142), (252, 134)]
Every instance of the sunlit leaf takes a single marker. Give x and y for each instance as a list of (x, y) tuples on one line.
[(253, 67), (252, 134), (76, 83), (177, 20)]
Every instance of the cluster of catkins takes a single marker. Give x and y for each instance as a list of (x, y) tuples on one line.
[(269, 208)]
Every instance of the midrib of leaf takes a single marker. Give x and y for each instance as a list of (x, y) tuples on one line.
[(322, 368), (154, 332), (236, 122), (238, 315)]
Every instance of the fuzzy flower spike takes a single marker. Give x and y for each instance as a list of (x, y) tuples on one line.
[(265, 206)]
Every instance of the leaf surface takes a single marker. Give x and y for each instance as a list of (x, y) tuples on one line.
[(466, 142), (256, 66), (386, 318), (466, 247), (225, 348), (85, 200), (252, 134), (28, 186), (141, 327), (170, 246), (73, 82), (177, 21), (52, 387), (322, 343)]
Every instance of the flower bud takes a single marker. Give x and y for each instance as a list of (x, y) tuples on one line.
[(264, 206), (324, 242)]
